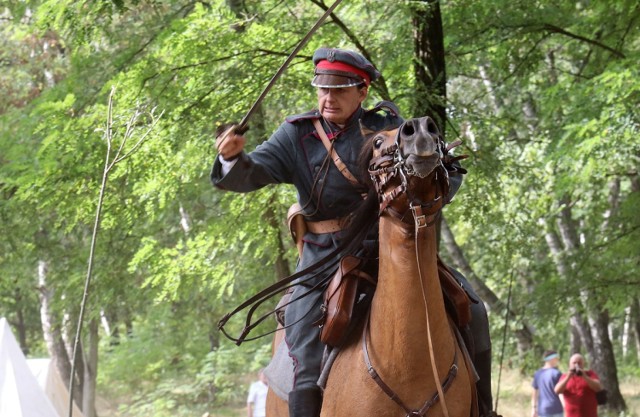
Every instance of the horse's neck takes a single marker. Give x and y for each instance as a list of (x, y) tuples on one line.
[(408, 290)]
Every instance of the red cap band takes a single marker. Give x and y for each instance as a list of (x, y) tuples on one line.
[(341, 66)]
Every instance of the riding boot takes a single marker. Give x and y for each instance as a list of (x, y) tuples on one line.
[(482, 362), (305, 402)]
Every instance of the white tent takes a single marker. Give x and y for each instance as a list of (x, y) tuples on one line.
[(20, 393), (53, 386)]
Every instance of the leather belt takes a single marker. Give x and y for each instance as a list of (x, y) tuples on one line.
[(326, 226)]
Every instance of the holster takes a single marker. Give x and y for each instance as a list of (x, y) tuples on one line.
[(339, 300), (297, 226), (456, 298)]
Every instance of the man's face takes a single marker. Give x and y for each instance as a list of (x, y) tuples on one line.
[(576, 361), (338, 104)]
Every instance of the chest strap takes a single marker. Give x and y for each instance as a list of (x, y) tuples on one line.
[(334, 155)]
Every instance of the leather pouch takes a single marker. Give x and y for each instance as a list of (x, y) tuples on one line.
[(340, 299)]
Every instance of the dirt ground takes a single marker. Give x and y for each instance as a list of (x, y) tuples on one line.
[(514, 400)]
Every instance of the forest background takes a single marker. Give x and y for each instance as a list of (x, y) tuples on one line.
[(545, 96)]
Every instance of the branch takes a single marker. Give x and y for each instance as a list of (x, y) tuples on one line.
[(108, 165), (556, 29)]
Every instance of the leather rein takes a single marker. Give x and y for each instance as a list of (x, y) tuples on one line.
[(383, 169)]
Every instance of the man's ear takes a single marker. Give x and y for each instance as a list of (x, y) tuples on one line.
[(363, 93)]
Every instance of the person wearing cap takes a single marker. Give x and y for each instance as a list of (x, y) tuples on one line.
[(544, 400), (578, 388), (297, 154)]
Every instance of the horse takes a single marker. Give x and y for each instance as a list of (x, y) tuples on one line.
[(406, 358)]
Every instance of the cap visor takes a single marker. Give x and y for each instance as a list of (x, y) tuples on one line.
[(334, 81)]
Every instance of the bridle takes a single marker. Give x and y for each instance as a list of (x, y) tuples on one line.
[(390, 164)]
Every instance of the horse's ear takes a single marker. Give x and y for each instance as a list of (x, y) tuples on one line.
[(365, 131)]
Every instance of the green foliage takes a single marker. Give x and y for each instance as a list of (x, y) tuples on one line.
[(545, 96)]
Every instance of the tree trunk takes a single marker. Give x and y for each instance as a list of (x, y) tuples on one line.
[(605, 364), (429, 67), (635, 324), (594, 335), (51, 331), (626, 333), (21, 326), (575, 342), (90, 371)]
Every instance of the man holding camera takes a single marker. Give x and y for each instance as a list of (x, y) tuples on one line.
[(579, 387)]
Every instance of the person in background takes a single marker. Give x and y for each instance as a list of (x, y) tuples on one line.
[(257, 398), (579, 387), (544, 400)]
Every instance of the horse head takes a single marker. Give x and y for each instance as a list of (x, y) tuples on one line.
[(407, 168)]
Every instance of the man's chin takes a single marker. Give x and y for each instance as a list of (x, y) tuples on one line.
[(333, 118)]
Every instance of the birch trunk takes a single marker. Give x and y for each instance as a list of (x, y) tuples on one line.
[(635, 323)]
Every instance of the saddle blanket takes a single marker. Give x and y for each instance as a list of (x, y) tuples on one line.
[(280, 372)]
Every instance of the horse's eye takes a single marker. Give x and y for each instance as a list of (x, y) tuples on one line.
[(378, 141)]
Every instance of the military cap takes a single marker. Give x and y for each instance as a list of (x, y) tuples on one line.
[(335, 68)]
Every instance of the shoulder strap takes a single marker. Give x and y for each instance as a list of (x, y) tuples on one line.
[(334, 155), (313, 114), (388, 106)]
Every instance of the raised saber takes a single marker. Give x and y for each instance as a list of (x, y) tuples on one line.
[(241, 127)]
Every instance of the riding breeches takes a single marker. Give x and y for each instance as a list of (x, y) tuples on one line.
[(303, 337)]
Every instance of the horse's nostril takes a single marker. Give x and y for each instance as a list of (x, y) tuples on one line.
[(432, 127), (408, 130)]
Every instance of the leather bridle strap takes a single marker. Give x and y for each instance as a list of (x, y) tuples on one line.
[(421, 223), (453, 371), (334, 155)]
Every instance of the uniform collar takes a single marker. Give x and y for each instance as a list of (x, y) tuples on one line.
[(335, 131)]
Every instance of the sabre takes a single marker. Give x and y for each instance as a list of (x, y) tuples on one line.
[(242, 126)]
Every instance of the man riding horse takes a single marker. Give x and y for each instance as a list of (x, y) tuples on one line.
[(322, 170)]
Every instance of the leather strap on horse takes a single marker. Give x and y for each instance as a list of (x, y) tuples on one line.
[(468, 363), (422, 412), (421, 223), (334, 155)]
